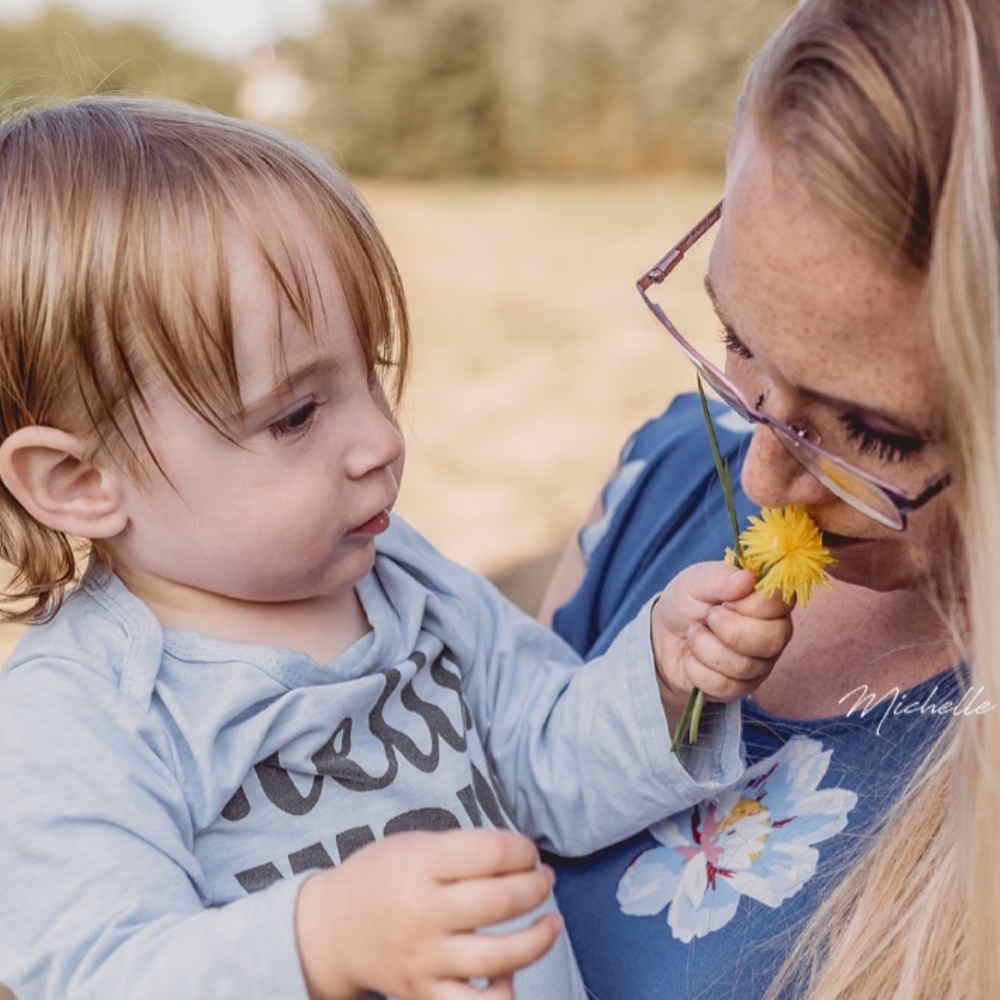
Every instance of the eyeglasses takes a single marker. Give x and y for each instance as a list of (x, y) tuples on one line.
[(863, 491)]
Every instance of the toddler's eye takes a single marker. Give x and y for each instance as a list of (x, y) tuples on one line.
[(295, 422)]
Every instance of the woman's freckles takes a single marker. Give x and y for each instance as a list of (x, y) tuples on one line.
[(832, 331)]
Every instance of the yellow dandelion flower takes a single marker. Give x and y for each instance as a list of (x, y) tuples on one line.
[(785, 549)]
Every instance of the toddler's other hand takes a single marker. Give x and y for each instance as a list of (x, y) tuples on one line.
[(400, 917)]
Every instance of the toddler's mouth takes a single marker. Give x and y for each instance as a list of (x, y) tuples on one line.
[(374, 525)]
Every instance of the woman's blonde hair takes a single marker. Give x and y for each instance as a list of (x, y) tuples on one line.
[(892, 109), (113, 221)]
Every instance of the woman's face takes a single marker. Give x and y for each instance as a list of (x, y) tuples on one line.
[(836, 339)]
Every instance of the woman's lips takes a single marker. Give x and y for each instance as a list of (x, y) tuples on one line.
[(374, 525), (834, 541)]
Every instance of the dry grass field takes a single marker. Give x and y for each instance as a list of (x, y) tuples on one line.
[(534, 356)]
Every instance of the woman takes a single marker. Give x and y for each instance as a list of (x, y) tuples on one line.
[(856, 272)]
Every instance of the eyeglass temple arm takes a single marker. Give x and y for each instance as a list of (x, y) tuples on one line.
[(665, 265)]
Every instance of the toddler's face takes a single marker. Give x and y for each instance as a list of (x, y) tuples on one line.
[(289, 509)]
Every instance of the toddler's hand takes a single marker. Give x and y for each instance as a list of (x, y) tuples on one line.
[(399, 917), (712, 630)]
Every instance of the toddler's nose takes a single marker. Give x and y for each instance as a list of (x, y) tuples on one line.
[(380, 443)]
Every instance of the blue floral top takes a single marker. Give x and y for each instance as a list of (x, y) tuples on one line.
[(706, 902)]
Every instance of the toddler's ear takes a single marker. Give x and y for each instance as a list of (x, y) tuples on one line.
[(53, 476)]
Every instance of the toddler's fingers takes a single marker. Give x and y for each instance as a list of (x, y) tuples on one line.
[(751, 636), (498, 989), (714, 582), (695, 590), (480, 902), (495, 955), (722, 673), (758, 605), (465, 854), (503, 983)]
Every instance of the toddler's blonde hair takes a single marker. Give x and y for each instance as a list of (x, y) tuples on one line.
[(114, 214)]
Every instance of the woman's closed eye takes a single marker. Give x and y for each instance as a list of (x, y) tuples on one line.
[(887, 446), (733, 343), (296, 421)]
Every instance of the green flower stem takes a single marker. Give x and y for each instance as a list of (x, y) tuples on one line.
[(697, 703), (685, 720), (691, 716), (722, 468)]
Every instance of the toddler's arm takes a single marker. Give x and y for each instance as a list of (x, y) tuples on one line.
[(580, 753), (712, 630), (400, 916)]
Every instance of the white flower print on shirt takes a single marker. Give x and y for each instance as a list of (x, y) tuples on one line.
[(754, 839)]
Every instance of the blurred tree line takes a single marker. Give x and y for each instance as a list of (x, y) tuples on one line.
[(61, 53), (433, 87), (439, 88)]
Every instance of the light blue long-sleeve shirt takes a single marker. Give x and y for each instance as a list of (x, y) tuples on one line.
[(163, 794)]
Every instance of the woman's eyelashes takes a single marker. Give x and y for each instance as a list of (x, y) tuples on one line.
[(888, 446), (296, 421), (733, 343)]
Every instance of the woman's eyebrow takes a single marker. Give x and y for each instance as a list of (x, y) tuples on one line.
[(731, 337)]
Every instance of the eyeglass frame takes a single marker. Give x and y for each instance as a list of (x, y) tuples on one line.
[(793, 438)]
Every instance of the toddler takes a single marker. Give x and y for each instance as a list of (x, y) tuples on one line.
[(272, 744)]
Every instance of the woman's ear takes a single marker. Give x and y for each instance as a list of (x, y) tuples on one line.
[(53, 476)]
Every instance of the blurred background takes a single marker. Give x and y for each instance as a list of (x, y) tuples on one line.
[(527, 160)]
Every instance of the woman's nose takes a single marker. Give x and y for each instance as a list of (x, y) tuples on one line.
[(771, 477)]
